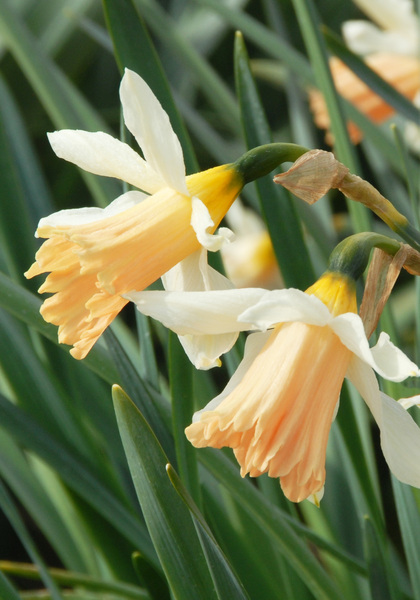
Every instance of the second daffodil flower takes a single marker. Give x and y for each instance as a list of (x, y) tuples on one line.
[(276, 412), (390, 45), (95, 256)]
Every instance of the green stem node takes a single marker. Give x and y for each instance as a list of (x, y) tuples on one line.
[(351, 256), (260, 161)]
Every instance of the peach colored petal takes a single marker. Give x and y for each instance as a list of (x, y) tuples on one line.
[(93, 264), (278, 417), (402, 72)]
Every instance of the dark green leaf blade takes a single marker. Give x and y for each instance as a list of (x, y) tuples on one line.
[(378, 568), (227, 584), (168, 520), (276, 204)]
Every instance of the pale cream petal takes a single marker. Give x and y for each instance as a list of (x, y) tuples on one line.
[(390, 14), (400, 435), (365, 38), (204, 351), (74, 217), (150, 125), (387, 360), (243, 220), (253, 345), (281, 306), (203, 224), (197, 313), (194, 274), (409, 402), (101, 154), (392, 361), (317, 497)]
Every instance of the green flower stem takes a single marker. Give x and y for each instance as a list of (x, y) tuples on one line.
[(351, 256), (359, 190), (260, 161)]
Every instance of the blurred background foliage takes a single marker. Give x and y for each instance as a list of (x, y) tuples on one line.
[(67, 464)]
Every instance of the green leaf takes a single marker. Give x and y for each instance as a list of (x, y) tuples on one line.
[(309, 22), (134, 50), (72, 579), (20, 303), (167, 518), (226, 582), (62, 101), (203, 75), (7, 590), (264, 38), (18, 524), (378, 567), (356, 440), (148, 366), (76, 475), (153, 581), (180, 376), (21, 185), (155, 408), (282, 528), (21, 479), (276, 203), (408, 518)]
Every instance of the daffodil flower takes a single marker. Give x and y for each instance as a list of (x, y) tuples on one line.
[(249, 259), (276, 411), (390, 46), (394, 26), (194, 274), (94, 255)]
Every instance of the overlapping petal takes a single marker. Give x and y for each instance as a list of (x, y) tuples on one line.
[(74, 217), (150, 125), (138, 237), (281, 306), (198, 313), (400, 435), (390, 47), (195, 274), (253, 345), (278, 407), (203, 225), (398, 28), (102, 154), (249, 259)]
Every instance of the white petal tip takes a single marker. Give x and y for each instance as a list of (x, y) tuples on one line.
[(316, 497)]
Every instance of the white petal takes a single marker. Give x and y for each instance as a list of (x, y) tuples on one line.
[(409, 402), (387, 360), (400, 435), (194, 274), (243, 220), (81, 216), (281, 306), (204, 350), (253, 346), (197, 313), (201, 222), (150, 125), (389, 14), (365, 38), (392, 361), (316, 497), (101, 154)]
